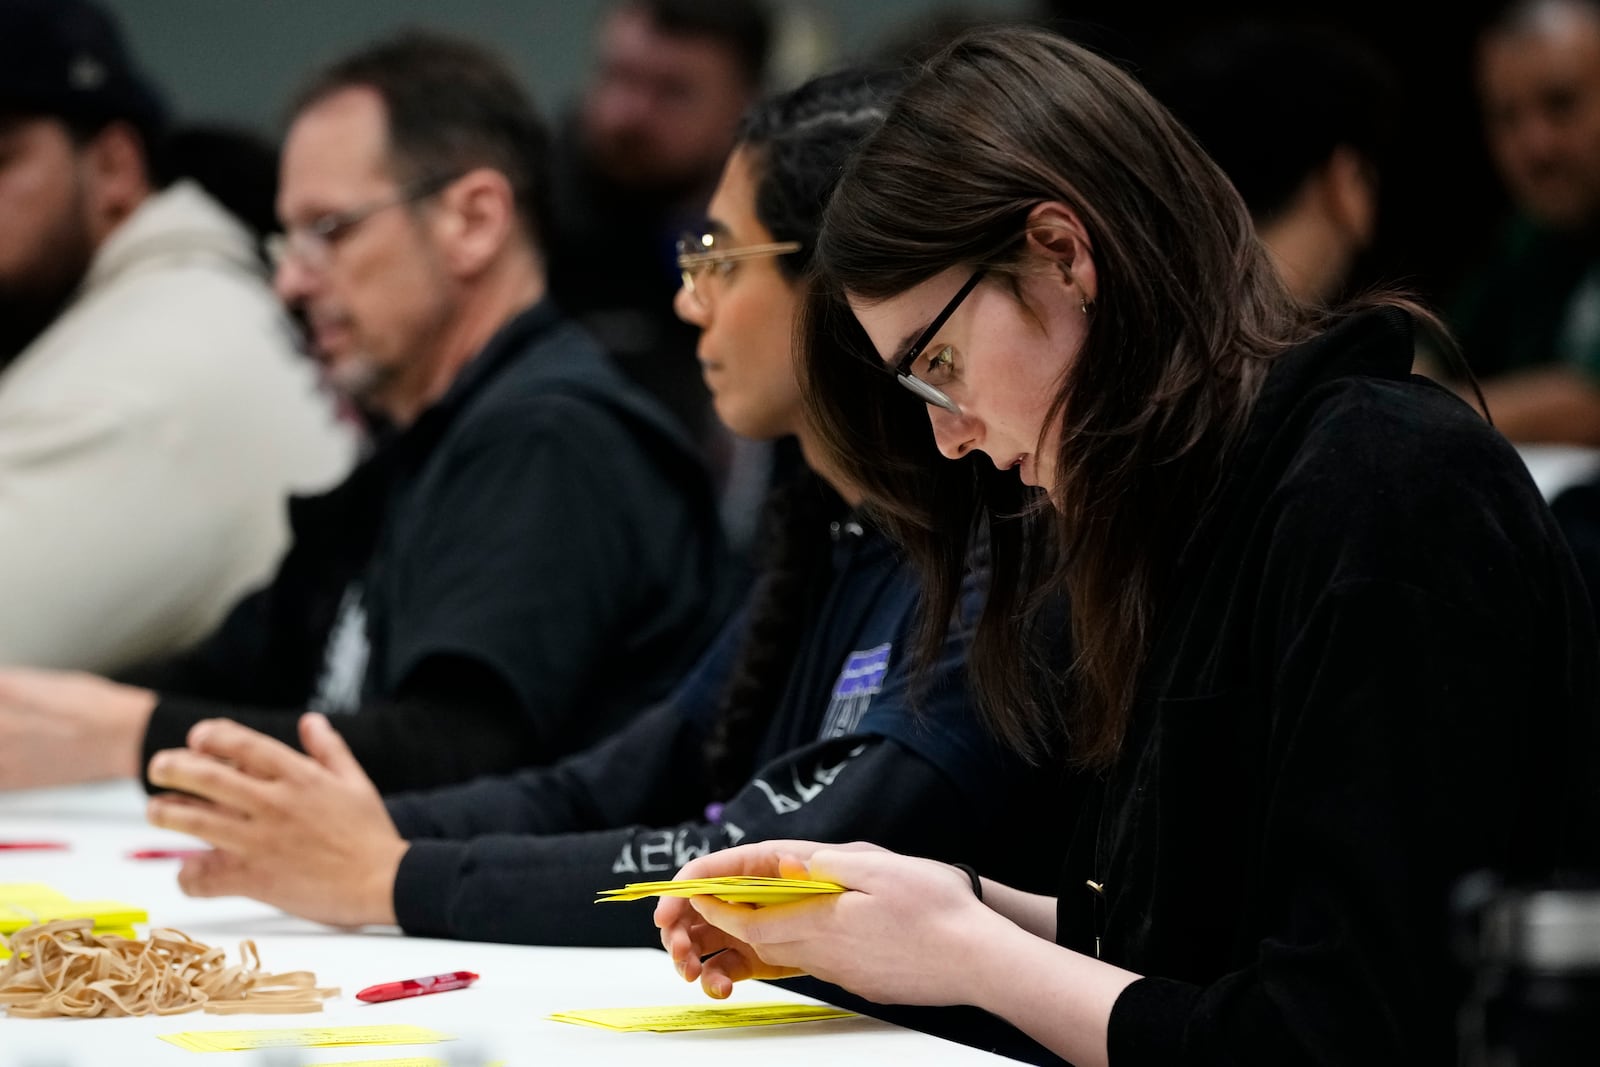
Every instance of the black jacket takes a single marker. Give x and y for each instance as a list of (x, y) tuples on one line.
[(510, 578), (1377, 673)]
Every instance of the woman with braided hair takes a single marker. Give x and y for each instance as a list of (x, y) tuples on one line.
[(804, 718)]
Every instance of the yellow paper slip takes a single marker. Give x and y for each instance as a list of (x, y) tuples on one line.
[(308, 1037), (25, 903), (700, 1016), (28, 892), (105, 913), (734, 889)]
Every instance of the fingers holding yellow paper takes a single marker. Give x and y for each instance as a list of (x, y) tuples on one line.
[(732, 889)]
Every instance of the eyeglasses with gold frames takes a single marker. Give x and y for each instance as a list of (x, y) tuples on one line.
[(704, 265)]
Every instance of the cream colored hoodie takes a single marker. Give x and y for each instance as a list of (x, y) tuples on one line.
[(147, 441)]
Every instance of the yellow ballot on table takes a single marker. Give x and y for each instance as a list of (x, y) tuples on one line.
[(673, 1018), (26, 903), (733, 888), (303, 1037)]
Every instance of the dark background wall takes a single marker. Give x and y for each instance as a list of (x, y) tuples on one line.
[(1441, 203), (237, 60)]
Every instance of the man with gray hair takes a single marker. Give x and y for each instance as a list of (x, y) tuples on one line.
[(529, 558)]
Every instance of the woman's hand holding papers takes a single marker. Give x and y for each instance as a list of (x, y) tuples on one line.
[(688, 937), (306, 833), (890, 938)]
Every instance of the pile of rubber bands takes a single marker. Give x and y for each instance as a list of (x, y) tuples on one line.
[(64, 968)]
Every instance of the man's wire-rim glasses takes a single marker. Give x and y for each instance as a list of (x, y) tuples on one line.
[(311, 245)]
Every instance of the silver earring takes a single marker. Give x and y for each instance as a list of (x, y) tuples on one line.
[(1084, 302)]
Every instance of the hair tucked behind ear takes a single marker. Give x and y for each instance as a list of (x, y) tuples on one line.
[(1188, 314), (797, 143)]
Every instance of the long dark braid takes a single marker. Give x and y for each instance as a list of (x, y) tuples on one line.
[(792, 575), (798, 141)]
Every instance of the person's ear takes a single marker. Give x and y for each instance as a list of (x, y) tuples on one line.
[(116, 180), (1056, 234), (1352, 195), (477, 218)]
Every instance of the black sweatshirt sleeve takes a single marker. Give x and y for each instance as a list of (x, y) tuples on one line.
[(540, 889), (220, 666), (518, 590), (643, 773), (453, 719)]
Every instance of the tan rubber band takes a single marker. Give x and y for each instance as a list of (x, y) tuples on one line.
[(64, 968)]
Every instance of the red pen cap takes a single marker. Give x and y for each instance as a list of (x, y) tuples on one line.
[(416, 987)]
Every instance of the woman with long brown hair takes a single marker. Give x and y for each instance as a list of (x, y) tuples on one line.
[(1326, 652)]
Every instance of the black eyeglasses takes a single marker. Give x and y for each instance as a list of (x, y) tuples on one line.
[(932, 394)]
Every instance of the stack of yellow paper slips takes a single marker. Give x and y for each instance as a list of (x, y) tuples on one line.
[(25, 903), (733, 888), (700, 1016), (303, 1037)]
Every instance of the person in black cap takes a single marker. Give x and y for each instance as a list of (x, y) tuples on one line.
[(139, 496)]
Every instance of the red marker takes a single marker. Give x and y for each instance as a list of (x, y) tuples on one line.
[(34, 846), (166, 853), (416, 987)]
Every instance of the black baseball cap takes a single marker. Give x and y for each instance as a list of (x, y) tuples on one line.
[(67, 59)]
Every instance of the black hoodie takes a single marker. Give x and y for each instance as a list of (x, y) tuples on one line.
[(1377, 672)]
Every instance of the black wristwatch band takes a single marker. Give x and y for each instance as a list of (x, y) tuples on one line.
[(977, 883)]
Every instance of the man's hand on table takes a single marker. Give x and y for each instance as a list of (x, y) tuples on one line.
[(305, 833)]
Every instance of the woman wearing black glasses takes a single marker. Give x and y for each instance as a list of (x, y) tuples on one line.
[(1328, 653)]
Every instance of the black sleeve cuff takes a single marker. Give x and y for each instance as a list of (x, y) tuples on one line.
[(425, 885), (172, 717), (407, 814), (1148, 1022), (169, 726)]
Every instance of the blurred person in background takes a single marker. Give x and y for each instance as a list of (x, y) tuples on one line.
[(531, 553), (1299, 120), (635, 164), (1529, 322), (154, 412)]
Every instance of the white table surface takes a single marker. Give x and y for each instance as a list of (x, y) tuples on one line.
[(501, 1017)]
